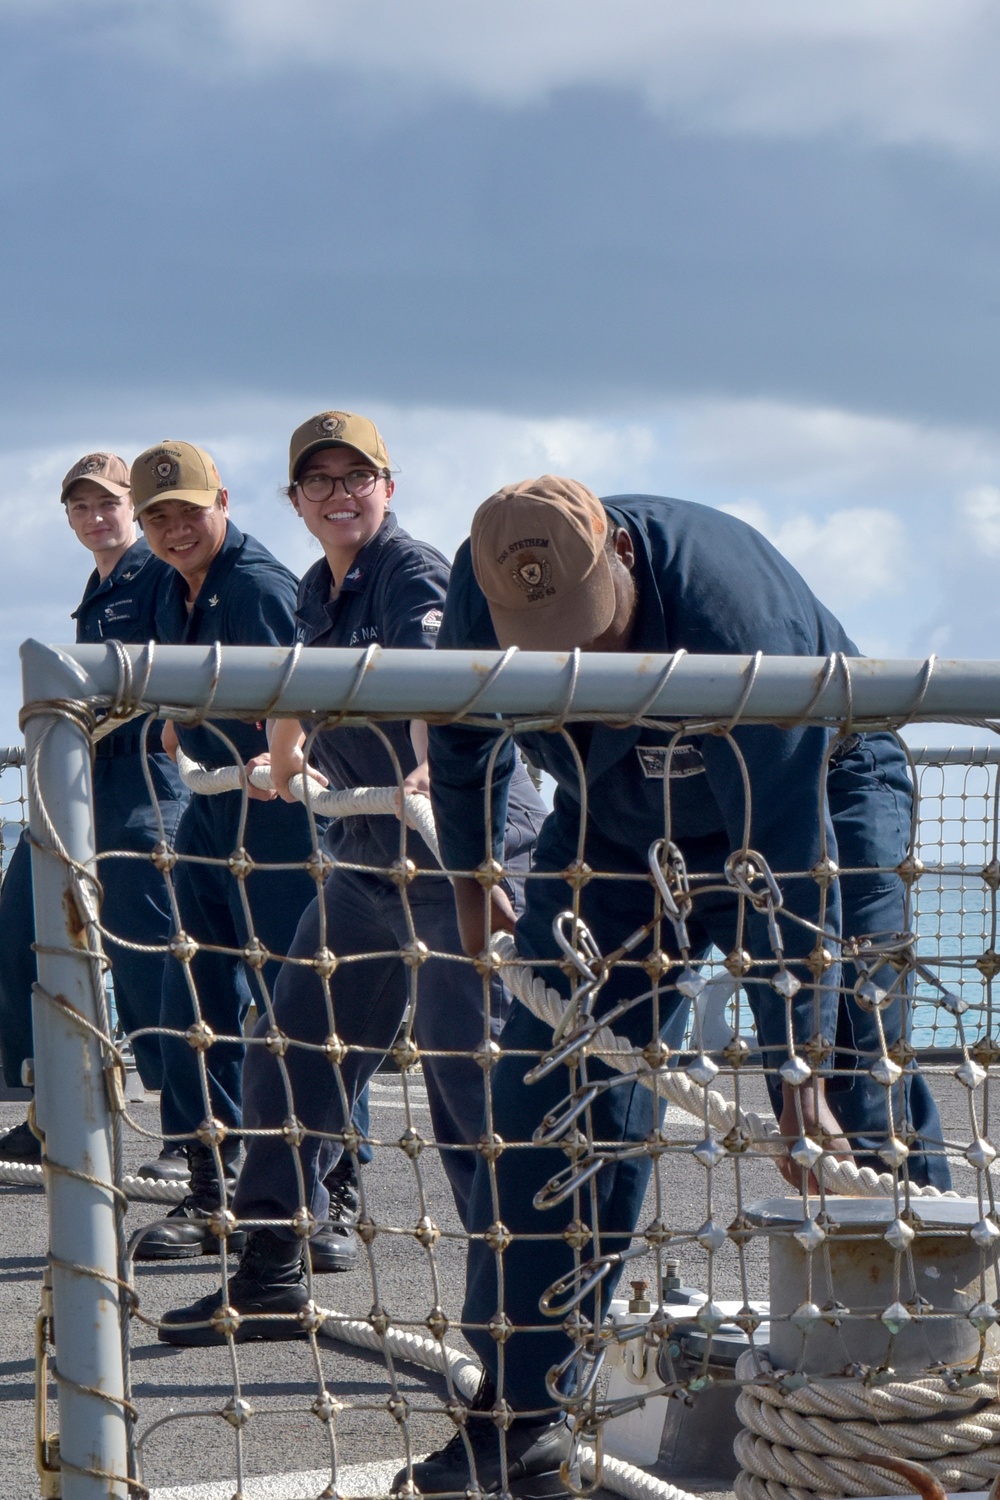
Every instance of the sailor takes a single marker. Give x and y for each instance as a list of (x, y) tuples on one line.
[(224, 587), (375, 584), (119, 603), (550, 567)]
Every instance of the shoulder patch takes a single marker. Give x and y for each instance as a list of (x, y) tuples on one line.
[(431, 622)]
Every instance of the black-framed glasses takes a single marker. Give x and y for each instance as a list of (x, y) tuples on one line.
[(358, 483)]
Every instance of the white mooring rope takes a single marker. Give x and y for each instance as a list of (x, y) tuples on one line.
[(840, 1177), (139, 1189), (374, 801)]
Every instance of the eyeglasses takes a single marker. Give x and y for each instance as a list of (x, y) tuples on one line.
[(358, 483)]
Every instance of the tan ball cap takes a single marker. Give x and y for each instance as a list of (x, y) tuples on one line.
[(174, 471), (105, 469), (538, 553), (336, 429)]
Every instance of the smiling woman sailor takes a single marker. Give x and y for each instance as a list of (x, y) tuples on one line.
[(374, 583)]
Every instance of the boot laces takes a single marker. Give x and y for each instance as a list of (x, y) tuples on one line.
[(252, 1261), (206, 1189), (268, 1260), (342, 1186)]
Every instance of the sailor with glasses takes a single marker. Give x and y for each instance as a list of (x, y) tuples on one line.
[(375, 585)]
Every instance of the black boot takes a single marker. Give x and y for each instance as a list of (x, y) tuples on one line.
[(335, 1246), (270, 1280), (536, 1451), (188, 1229), (21, 1144), (170, 1166)]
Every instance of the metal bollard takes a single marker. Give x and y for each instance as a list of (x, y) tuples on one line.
[(853, 1301)]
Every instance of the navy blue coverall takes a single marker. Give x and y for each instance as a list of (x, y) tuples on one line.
[(247, 599), (710, 584), (392, 596), (120, 607)]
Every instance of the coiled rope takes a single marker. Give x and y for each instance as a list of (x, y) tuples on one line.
[(819, 1440)]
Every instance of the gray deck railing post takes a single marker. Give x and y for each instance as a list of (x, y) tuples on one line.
[(71, 1099)]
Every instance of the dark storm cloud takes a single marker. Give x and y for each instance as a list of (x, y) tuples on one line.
[(272, 232)]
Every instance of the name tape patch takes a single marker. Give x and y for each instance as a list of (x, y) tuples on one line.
[(685, 761)]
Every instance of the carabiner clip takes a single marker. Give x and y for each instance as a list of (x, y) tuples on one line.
[(896, 949), (677, 908), (746, 865), (556, 1124), (552, 1060), (577, 1283), (565, 1183), (580, 1392), (581, 1003), (581, 1432), (583, 949)]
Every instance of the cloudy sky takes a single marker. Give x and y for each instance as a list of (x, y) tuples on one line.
[(742, 251)]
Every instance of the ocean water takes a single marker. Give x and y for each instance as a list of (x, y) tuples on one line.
[(955, 908), (955, 925)]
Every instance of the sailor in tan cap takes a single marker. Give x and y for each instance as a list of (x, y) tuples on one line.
[(550, 567), (374, 583), (224, 586), (119, 602)]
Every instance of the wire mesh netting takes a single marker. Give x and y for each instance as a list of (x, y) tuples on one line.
[(13, 801), (501, 1140), (955, 899)]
